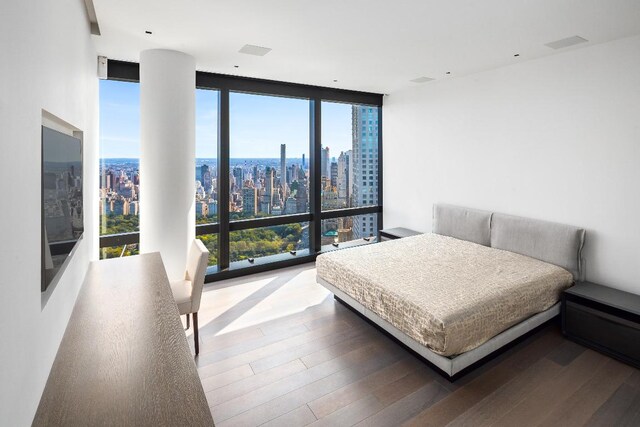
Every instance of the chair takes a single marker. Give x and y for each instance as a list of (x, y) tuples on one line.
[(188, 292)]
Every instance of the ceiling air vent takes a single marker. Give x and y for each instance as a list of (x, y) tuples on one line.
[(250, 49), (569, 41), (422, 80)]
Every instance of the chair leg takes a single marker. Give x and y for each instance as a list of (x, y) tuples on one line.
[(187, 320), (195, 332)]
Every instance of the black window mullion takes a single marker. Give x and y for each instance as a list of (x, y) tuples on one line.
[(202, 229), (223, 179), (110, 240), (278, 88), (271, 221), (315, 196)]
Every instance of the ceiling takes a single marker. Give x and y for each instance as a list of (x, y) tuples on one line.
[(366, 45)]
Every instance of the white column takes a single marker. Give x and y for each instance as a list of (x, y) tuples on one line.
[(167, 156)]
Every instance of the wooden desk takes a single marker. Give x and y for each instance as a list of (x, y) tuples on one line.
[(124, 358)]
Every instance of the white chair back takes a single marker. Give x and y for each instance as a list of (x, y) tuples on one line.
[(198, 260)]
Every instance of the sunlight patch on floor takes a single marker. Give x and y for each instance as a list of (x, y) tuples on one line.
[(266, 296)]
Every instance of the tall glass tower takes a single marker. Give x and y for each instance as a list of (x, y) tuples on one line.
[(365, 168), (283, 170)]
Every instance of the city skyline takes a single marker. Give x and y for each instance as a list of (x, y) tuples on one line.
[(268, 169), (270, 186)]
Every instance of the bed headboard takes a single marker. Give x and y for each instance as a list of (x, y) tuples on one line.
[(468, 224), (550, 242)]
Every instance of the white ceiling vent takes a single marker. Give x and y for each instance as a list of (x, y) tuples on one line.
[(569, 41), (250, 49), (422, 79)]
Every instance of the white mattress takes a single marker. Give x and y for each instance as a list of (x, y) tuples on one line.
[(449, 295)]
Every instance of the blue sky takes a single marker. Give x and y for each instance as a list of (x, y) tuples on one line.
[(259, 124)]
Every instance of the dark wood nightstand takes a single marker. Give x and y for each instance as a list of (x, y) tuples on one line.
[(603, 318), (396, 233)]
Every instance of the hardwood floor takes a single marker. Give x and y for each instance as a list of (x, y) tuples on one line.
[(276, 349)]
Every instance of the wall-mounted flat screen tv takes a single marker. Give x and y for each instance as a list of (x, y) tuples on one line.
[(62, 210)]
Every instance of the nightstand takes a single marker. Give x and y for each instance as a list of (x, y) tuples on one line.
[(603, 318), (396, 233)]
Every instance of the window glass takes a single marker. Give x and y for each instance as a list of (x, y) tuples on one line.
[(349, 162), (269, 148), (268, 171), (266, 241), (206, 156), (349, 229), (119, 157), (211, 243), (118, 251)]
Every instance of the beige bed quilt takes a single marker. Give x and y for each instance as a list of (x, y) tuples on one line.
[(448, 294)]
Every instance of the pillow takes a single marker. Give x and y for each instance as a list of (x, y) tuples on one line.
[(550, 242), (473, 225)]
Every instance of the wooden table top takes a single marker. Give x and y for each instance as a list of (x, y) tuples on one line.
[(124, 357)]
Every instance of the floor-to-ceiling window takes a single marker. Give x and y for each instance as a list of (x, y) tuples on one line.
[(283, 171), (268, 148), (349, 170), (119, 167)]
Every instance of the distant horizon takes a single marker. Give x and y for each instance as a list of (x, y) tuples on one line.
[(258, 123)]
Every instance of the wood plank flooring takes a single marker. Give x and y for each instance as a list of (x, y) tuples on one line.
[(277, 350)]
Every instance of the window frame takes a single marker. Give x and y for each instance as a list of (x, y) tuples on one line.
[(225, 84)]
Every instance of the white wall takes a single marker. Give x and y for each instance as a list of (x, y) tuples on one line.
[(556, 138), (48, 62)]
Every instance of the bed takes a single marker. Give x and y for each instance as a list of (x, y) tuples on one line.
[(457, 295)]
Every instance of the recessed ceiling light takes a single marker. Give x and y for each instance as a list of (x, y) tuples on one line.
[(236, 66), (422, 79), (517, 54), (250, 49), (448, 72), (569, 41), (335, 81), (148, 32)]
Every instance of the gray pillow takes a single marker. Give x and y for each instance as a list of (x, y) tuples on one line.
[(550, 242), (473, 225)]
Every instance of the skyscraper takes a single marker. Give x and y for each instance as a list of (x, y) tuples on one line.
[(126, 207), (303, 162), (269, 189), (365, 167), (249, 200), (111, 180), (302, 197), (238, 175), (343, 177), (205, 177), (290, 206), (283, 169), (256, 177), (324, 163), (334, 174)]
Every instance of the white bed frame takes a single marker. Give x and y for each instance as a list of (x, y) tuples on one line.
[(554, 243), (448, 365)]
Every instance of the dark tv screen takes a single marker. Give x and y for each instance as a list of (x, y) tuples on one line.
[(62, 210)]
